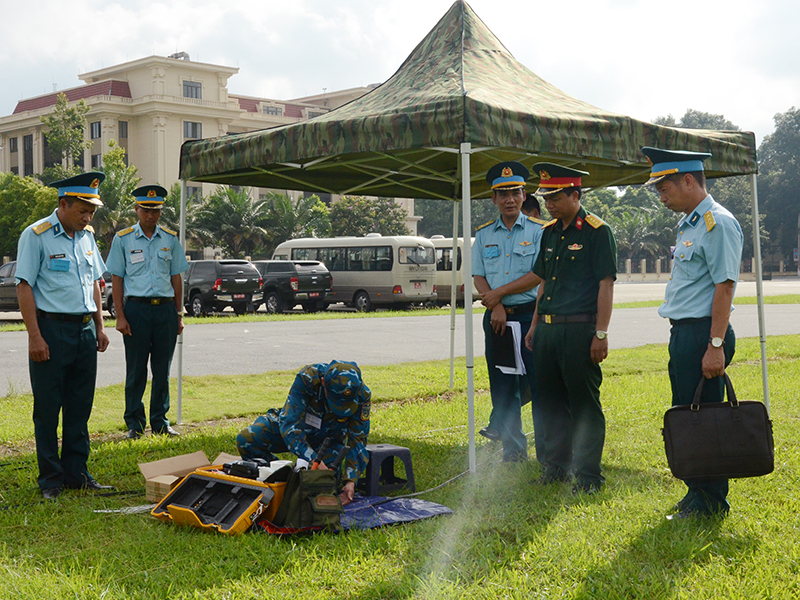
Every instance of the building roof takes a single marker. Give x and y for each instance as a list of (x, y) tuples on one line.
[(104, 88), (250, 105)]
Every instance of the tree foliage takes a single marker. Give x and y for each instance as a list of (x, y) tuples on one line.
[(23, 200), (65, 135), (287, 219), (437, 216), (115, 192), (779, 184), (232, 219), (358, 216)]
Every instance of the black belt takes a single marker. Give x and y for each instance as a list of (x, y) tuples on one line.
[(579, 318), (674, 322), (520, 308), (69, 318), (155, 301)]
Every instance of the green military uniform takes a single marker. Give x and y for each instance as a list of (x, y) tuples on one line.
[(572, 261)]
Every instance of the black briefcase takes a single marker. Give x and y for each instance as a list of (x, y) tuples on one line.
[(720, 439)]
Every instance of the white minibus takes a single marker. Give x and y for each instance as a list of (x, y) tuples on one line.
[(371, 271), (444, 271)]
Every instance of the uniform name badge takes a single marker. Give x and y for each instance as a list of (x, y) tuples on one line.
[(59, 263), (313, 420), (137, 256)]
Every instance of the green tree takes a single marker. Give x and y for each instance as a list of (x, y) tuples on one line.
[(437, 215), (115, 192), (232, 219), (23, 200), (779, 183), (357, 215), (65, 137), (287, 219), (732, 192)]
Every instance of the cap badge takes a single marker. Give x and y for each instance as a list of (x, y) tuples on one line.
[(507, 172), (544, 175), (95, 183), (574, 247), (151, 193)]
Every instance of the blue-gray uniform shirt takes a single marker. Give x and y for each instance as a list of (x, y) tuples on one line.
[(501, 255), (708, 252), (145, 264), (61, 270)]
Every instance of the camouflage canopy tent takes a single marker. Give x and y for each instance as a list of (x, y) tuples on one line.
[(459, 104)]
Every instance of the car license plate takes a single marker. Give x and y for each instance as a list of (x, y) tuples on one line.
[(417, 285), (238, 296), (313, 294)]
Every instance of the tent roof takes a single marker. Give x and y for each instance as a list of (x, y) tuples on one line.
[(460, 84)]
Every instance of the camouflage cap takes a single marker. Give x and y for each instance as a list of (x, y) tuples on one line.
[(343, 385)]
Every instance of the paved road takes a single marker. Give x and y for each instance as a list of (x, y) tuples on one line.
[(234, 348)]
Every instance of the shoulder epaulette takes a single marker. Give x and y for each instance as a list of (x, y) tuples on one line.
[(90, 229), (553, 222), (539, 221), (125, 231), (710, 222), (169, 231), (484, 225), (594, 221), (42, 227)]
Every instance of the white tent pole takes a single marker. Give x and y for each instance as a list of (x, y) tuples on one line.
[(466, 260), (453, 283), (182, 239), (762, 328)]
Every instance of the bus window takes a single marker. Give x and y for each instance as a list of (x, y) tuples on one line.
[(304, 254), (337, 258), (354, 259), (417, 255), (443, 259), (383, 258)]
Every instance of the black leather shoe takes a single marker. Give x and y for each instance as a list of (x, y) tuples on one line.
[(490, 433), (133, 434), (51, 493), (167, 431), (586, 488), (90, 484)]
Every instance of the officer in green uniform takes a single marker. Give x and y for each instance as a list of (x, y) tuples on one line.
[(146, 262), (578, 264), (698, 300), (58, 266)]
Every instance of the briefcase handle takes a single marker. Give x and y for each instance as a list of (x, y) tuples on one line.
[(728, 387)]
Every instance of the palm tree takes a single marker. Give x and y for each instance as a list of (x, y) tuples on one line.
[(231, 218)]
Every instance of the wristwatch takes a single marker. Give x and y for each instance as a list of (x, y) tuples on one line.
[(716, 342), (601, 335)]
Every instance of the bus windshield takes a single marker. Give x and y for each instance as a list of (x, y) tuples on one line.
[(417, 255)]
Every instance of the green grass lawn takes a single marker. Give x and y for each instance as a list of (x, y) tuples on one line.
[(506, 538)]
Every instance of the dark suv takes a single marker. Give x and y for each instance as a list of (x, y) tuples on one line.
[(211, 285), (8, 287), (291, 282)]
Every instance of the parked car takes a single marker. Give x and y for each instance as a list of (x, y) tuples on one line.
[(106, 294), (8, 287), (212, 285), (288, 283)]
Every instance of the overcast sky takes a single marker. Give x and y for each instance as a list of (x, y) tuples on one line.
[(739, 58)]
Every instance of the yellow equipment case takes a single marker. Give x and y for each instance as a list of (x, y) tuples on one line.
[(210, 499)]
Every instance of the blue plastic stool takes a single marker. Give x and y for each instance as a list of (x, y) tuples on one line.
[(379, 476)]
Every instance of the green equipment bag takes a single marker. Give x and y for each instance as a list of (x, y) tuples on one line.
[(310, 501)]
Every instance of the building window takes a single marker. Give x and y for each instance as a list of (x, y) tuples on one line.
[(194, 193), (95, 130), (27, 155), (15, 170), (272, 110), (192, 131), (312, 114), (123, 130), (97, 161), (12, 144), (193, 89)]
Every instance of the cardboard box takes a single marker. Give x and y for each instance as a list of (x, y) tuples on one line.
[(163, 475)]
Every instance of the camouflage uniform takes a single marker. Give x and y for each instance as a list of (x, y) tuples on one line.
[(309, 416)]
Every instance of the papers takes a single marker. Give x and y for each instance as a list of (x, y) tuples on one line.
[(508, 349)]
